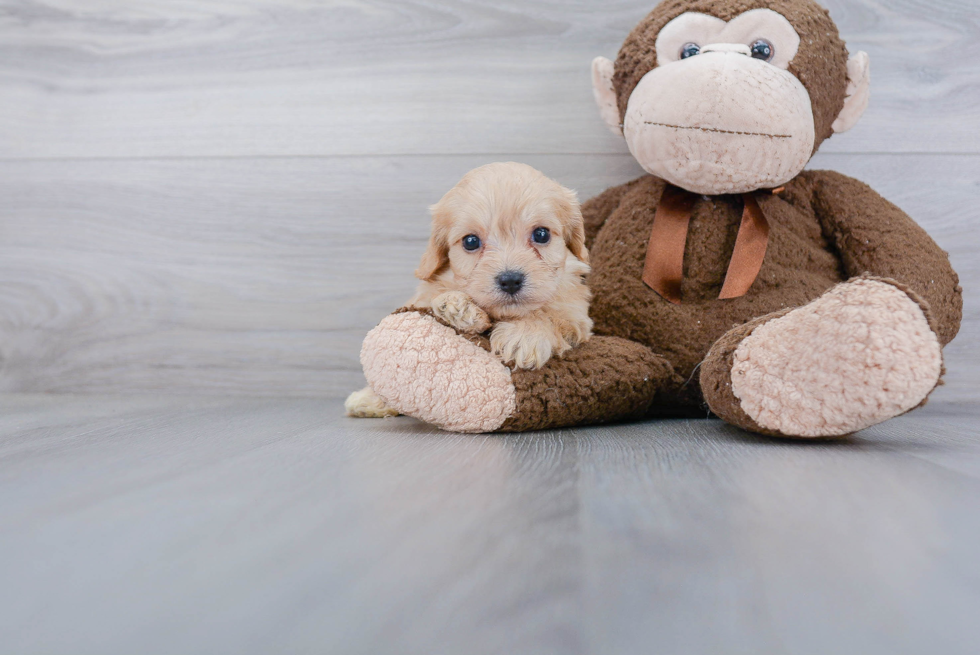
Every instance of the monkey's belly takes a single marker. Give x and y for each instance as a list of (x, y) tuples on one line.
[(684, 333)]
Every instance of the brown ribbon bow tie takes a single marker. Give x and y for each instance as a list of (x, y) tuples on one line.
[(664, 269)]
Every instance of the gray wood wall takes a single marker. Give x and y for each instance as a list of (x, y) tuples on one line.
[(223, 196)]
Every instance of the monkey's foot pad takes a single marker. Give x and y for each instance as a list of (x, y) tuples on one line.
[(426, 370), (859, 355)]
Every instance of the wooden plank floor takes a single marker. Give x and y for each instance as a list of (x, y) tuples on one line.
[(179, 525)]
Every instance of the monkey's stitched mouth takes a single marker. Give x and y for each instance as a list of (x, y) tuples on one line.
[(711, 129)]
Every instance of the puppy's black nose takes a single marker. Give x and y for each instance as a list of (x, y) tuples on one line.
[(510, 281)]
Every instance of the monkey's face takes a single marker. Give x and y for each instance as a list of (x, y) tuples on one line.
[(719, 108), (721, 113)]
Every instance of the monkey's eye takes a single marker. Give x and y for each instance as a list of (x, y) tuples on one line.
[(690, 50), (541, 236), (763, 50), (471, 243)]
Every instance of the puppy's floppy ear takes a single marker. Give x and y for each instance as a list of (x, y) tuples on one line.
[(569, 212), (436, 257)]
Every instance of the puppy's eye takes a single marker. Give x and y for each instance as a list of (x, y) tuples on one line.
[(763, 50), (471, 243), (542, 235), (690, 50)]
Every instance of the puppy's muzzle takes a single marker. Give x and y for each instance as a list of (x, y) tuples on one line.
[(510, 282)]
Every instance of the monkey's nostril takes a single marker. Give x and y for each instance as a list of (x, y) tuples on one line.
[(510, 281)]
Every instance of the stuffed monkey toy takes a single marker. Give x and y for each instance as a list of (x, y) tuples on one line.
[(789, 303)]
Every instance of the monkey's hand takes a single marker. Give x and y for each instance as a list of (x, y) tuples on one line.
[(459, 310)]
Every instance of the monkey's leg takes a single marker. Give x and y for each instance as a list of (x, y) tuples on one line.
[(862, 353), (424, 368)]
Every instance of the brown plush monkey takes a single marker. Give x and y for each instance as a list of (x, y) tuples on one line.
[(790, 303)]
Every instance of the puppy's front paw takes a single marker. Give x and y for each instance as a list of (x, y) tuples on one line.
[(521, 344), (459, 310), (367, 404)]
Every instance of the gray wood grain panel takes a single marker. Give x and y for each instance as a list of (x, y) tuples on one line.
[(195, 525), (376, 77), (261, 277), (235, 276), (754, 547)]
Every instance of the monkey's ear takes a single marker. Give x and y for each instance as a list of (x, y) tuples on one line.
[(436, 257), (858, 92), (605, 93)]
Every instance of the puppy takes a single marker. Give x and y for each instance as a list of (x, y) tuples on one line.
[(507, 254)]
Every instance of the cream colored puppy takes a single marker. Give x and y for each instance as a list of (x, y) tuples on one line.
[(507, 254)]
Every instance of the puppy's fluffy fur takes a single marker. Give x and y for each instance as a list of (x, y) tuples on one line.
[(502, 205)]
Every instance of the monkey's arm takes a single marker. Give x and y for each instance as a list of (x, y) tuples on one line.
[(874, 236), (598, 209)]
